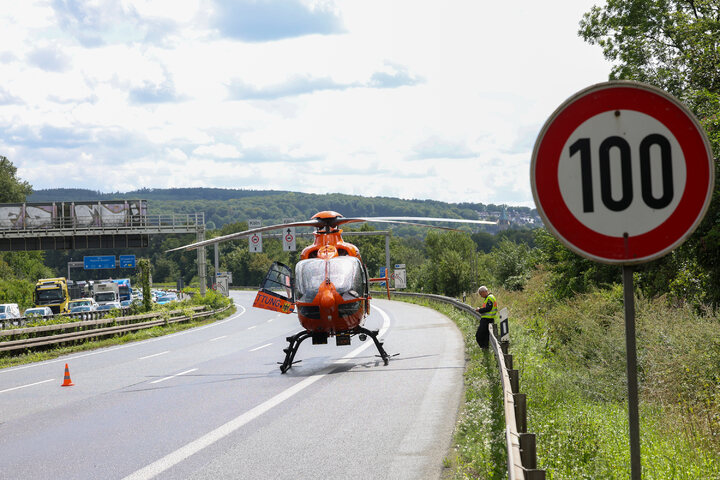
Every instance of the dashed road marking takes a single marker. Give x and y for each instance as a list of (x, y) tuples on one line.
[(173, 376), (154, 355), (25, 386)]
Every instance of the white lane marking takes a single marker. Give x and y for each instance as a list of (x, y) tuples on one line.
[(25, 386), (261, 346), (250, 328), (127, 345), (173, 458), (270, 320), (154, 355), (218, 338), (173, 376)]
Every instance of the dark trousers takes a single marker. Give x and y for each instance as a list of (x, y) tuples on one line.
[(482, 336)]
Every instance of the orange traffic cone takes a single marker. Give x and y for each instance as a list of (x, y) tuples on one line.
[(67, 382)]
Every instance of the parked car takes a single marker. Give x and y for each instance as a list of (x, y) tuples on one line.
[(88, 302), (35, 312), (9, 310), (81, 309), (109, 306), (167, 297)]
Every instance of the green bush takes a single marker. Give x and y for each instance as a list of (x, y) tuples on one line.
[(211, 299)]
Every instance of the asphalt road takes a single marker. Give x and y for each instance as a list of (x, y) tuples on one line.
[(211, 402)]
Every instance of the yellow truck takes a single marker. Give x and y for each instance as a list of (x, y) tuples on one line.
[(53, 293)]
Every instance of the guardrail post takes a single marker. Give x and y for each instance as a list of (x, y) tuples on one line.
[(520, 401), (527, 450), (494, 329), (505, 346), (508, 361), (534, 474), (514, 380)]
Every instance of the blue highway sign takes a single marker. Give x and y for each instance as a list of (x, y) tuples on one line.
[(101, 261), (127, 261)]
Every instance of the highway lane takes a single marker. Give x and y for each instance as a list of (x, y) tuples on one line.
[(211, 403)]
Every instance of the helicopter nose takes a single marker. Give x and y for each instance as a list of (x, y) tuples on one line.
[(327, 301)]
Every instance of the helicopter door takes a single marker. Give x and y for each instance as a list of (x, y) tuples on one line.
[(276, 291)]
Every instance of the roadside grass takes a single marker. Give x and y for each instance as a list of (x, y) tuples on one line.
[(571, 358), (15, 359)]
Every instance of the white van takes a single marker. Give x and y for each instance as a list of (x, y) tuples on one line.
[(9, 310)]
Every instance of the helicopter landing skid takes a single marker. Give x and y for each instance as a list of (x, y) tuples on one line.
[(373, 334), (292, 349), (297, 339)]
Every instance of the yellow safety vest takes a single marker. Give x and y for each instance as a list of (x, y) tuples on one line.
[(492, 314)]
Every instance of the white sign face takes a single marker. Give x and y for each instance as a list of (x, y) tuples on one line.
[(400, 278), (504, 325), (622, 173), (255, 240), (223, 285), (289, 237), (225, 274), (605, 183)]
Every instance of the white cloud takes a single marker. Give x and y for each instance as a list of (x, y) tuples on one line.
[(218, 151)]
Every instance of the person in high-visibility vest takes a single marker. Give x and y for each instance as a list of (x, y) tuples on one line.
[(488, 313)]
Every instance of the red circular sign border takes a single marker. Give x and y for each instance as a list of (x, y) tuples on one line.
[(622, 95)]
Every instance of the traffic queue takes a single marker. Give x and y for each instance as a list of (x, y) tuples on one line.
[(52, 298)]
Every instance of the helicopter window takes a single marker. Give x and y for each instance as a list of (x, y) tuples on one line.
[(309, 274), (346, 273), (278, 280)]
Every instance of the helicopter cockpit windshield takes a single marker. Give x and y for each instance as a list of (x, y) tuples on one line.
[(346, 273)]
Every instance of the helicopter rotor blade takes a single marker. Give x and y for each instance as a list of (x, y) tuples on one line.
[(432, 219), (333, 222), (246, 233), (402, 222)]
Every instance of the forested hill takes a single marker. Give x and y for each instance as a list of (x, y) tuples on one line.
[(222, 206)]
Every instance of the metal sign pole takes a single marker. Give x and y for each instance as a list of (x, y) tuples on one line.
[(631, 352)]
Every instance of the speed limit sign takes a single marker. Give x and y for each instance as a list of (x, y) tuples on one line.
[(622, 173)]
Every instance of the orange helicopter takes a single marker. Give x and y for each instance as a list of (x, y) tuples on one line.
[(330, 287)]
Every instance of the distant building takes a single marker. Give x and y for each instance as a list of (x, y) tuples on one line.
[(504, 220)]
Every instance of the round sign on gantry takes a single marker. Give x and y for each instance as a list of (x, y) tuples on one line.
[(622, 173)]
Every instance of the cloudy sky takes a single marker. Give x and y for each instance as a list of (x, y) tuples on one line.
[(418, 99)]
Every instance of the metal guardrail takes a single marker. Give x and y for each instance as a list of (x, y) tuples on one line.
[(95, 328), (522, 459), (22, 321)]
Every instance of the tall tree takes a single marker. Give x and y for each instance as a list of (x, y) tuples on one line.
[(674, 45), (12, 189)]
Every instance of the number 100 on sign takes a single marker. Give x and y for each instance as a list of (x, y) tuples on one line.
[(619, 181)]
